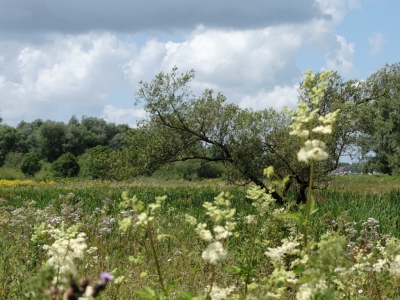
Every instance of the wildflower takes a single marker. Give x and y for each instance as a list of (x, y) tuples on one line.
[(214, 253), (101, 284), (250, 219), (68, 245), (323, 129), (261, 199), (218, 293), (204, 233), (221, 233), (312, 150), (276, 254), (191, 220), (308, 290)]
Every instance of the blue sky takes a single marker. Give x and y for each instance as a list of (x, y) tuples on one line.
[(59, 59)]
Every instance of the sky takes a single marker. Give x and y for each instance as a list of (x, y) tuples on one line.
[(86, 57)]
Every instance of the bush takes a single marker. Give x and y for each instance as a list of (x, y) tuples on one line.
[(30, 164), (11, 174), (211, 170), (66, 166), (14, 160)]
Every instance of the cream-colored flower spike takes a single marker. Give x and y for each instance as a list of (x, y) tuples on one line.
[(314, 149)]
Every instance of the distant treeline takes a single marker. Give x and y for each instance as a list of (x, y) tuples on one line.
[(77, 147), (51, 139)]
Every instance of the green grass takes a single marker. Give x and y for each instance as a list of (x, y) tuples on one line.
[(180, 254)]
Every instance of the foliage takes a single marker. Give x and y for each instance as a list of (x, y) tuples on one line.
[(11, 173), (190, 170), (13, 159), (30, 164), (184, 127), (97, 163), (10, 141), (51, 140), (66, 166), (380, 137)]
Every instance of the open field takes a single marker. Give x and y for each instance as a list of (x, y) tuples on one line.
[(24, 205)]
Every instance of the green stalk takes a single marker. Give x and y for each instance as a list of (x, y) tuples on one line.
[(212, 282), (249, 266), (309, 202), (160, 279)]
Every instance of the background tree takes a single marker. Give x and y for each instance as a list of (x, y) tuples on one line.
[(184, 127), (66, 166), (11, 140), (380, 133), (30, 164), (30, 133), (51, 140)]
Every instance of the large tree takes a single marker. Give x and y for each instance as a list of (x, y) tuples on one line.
[(380, 132), (11, 140), (183, 127)]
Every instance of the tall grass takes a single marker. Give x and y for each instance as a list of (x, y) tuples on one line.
[(95, 205)]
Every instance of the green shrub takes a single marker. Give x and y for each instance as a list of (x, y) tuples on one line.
[(211, 170), (46, 172), (30, 164), (66, 166), (13, 160), (190, 170), (11, 174)]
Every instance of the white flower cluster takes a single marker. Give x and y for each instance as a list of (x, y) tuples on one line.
[(314, 149), (214, 253), (261, 200), (145, 215), (309, 290), (219, 211), (69, 245), (218, 293), (277, 254)]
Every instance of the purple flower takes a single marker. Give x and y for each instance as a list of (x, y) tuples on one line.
[(106, 276)]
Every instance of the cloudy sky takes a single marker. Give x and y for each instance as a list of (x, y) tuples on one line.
[(86, 57)]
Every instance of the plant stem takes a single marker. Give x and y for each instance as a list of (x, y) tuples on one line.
[(249, 266), (309, 198), (148, 228), (212, 281)]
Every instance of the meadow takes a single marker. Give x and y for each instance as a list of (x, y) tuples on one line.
[(166, 257)]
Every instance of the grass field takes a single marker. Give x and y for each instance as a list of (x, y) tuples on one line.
[(24, 205)]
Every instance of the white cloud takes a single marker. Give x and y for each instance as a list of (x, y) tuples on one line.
[(340, 58), (123, 116), (76, 74), (337, 9), (376, 43), (236, 63), (279, 97), (69, 74)]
